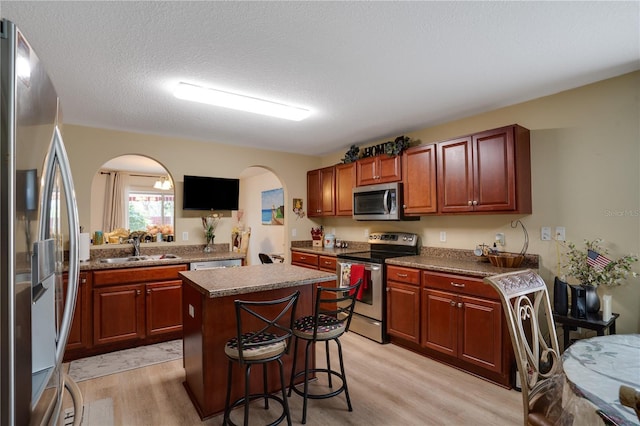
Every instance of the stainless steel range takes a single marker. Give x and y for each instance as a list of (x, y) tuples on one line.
[(370, 311)]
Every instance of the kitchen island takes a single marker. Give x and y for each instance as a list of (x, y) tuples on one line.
[(209, 321)]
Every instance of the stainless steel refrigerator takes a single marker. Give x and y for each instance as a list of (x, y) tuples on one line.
[(38, 239)]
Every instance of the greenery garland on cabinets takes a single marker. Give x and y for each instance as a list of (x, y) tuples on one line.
[(391, 148)]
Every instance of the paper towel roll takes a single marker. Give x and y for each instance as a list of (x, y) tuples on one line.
[(606, 307), (83, 247)]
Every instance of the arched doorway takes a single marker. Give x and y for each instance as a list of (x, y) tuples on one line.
[(265, 238)]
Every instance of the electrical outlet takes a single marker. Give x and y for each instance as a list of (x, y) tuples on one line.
[(545, 233), (500, 238), (560, 233), (185, 236), (443, 236), (294, 232), (366, 232)]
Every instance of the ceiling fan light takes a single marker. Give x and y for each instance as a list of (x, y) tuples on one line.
[(230, 100)]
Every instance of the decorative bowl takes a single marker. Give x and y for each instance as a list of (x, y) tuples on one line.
[(505, 260)]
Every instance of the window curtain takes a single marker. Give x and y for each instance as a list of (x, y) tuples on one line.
[(116, 202)]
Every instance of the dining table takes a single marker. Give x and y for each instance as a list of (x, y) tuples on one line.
[(596, 368)]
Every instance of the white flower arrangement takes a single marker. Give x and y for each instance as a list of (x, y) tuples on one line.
[(209, 223)]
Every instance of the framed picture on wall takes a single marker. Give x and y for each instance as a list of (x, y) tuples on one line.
[(273, 207)]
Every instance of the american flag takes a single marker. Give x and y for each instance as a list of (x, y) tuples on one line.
[(596, 260)]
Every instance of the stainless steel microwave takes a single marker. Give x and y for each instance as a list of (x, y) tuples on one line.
[(378, 202)]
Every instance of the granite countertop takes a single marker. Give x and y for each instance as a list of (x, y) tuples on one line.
[(465, 266), (249, 279), (186, 254)]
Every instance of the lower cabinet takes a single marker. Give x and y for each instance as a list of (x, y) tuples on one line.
[(136, 304), (323, 263), (80, 333), (452, 318), (403, 303)]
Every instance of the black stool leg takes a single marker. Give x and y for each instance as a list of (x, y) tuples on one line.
[(326, 348), (284, 394), (227, 401), (246, 394), (306, 382), (344, 376), (293, 369), (264, 382)]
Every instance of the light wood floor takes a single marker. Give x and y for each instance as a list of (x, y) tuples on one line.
[(388, 385)]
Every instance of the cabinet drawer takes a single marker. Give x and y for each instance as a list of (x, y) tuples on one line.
[(458, 284), (404, 275), (304, 259), (137, 275), (327, 263)]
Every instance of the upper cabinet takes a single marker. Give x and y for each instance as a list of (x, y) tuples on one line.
[(321, 192), (345, 182), (419, 183), (378, 169), (485, 172)]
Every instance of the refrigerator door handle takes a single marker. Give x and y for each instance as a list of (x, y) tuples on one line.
[(58, 156)]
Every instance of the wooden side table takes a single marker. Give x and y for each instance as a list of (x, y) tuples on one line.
[(591, 322)]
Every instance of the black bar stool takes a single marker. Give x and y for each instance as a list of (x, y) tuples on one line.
[(331, 319), (271, 323)]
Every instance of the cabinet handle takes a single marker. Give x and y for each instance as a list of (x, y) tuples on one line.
[(83, 281), (402, 275), (470, 202), (475, 202), (459, 304), (326, 262), (453, 303), (148, 291), (138, 292), (457, 284), (303, 258)]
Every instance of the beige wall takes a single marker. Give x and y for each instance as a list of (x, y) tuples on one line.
[(585, 148)]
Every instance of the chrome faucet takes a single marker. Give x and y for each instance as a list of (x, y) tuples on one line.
[(136, 245)]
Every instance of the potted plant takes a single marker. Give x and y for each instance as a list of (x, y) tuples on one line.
[(591, 268)]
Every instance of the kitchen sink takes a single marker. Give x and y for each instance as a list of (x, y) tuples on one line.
[(138, 258)]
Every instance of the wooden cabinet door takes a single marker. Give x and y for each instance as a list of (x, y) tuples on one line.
[(389, 168), (379, 169), (314, 193), (419, 172), (163, 307), (403, 311), (321, 192), (480, 333), (345, 182), (366, 171), (494, 170), (80, 332), (118, 313), (440, 321), (455, 176)]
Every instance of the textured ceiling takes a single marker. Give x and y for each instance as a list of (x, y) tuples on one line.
[(368, 70)]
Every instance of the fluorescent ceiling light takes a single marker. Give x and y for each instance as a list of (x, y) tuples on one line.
[(203, 95)]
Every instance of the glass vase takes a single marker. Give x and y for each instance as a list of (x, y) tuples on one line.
[(209, 247)]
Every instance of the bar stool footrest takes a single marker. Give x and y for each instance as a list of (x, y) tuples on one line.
[(255, 397), (319, 396)]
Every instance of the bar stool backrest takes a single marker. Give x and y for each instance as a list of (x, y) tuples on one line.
[(342, 302), (265, 317)]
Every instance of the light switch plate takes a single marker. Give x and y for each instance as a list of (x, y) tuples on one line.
[(560, 233), (545, 233)]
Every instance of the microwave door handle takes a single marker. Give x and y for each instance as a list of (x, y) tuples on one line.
[(387, 207)]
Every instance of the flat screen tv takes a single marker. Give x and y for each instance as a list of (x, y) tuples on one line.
[(210, 193)]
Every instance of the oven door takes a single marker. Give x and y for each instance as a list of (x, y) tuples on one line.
[(370, 303)]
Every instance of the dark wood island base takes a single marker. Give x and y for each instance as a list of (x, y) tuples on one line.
[(209, 321)]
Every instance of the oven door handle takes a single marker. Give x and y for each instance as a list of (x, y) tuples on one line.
[(372, 267)]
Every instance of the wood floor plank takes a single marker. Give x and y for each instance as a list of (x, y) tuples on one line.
[(388, 385)]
